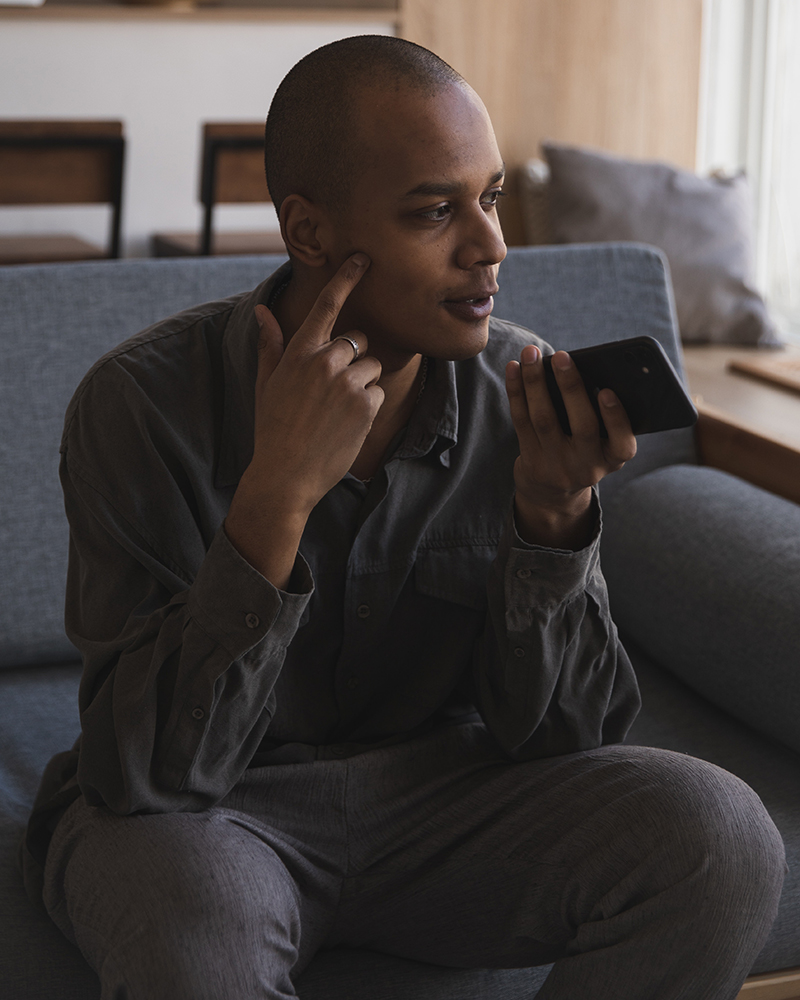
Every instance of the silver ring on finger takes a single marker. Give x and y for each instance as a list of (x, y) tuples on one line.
[(352, 343)]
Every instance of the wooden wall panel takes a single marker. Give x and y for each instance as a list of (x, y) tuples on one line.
[(619, 75)]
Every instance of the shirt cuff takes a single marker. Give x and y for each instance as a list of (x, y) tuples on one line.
[(537, 576), (237, 606)]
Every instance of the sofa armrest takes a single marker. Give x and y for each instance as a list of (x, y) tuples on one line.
[(703, 572), (727, 443)]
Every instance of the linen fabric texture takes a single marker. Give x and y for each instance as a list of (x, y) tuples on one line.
[(703, 225), (649, 872)]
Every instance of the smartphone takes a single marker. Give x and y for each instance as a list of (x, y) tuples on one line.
[(641, 375)]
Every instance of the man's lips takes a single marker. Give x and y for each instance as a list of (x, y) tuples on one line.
[(474, 294), (473, 306)]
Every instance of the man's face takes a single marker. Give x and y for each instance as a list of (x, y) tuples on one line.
[(423, 207)]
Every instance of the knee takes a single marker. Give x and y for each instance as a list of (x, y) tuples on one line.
[(201, 959), (177, 906), (706, 821)]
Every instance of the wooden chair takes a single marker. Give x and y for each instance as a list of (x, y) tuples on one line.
[(232, 172), (60, 163)]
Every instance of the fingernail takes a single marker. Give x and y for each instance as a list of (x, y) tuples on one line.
[(512, 369), (530, 354), (360, 260), (562, 361), (608, 399), (260, 311)]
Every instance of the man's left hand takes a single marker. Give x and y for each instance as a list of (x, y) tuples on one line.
[(555, 472)]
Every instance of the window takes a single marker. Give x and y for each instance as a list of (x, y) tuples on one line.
[(750, 119)]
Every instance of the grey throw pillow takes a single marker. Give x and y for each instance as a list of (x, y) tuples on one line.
[(703, 225)]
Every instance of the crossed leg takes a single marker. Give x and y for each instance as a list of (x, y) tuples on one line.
[(642, 873)]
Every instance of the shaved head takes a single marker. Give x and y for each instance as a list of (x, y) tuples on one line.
[(313, 139)]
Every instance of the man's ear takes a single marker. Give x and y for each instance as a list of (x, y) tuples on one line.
[(301, 222)]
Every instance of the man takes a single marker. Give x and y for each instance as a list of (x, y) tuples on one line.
[(350, 677)]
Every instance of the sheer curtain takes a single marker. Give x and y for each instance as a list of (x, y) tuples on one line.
[(781, 228), (750, 120)]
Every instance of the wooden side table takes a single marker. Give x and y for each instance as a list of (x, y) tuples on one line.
[(747, 426)]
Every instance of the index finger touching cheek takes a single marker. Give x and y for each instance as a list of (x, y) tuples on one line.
[(333, 296)]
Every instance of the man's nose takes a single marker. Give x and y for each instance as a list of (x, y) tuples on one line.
[(482, 241)]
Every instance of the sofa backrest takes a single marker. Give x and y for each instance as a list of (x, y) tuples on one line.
[(56, 320)]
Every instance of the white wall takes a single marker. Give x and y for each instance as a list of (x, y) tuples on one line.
[(162, 78)]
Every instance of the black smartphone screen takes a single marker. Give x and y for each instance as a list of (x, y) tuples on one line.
[(641, 375)]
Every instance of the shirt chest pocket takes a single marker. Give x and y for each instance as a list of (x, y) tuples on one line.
[(457, 573)]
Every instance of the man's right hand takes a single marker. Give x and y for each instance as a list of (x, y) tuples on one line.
[(314, 407)]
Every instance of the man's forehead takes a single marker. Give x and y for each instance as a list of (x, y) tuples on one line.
[(428, 143), (406, 104)]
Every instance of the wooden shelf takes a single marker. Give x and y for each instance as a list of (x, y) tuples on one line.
[(188, 12)]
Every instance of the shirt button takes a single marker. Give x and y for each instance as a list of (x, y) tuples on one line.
[(363, 611), (523, 574), (198, 713), (519, 652), (252, 621), (352, 682)]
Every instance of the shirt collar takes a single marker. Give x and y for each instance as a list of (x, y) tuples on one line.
[(433, 424)]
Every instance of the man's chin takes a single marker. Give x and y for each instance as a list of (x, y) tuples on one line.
[(469, 343)]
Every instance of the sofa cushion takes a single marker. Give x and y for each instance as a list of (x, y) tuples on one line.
[(673, 717), (704, 225), (703, 571), (364, 975), (38, 718)]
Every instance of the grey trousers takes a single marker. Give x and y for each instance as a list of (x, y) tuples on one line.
[(643, 874)]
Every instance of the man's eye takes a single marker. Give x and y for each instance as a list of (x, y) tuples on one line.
[(438, 214), (491, 197)]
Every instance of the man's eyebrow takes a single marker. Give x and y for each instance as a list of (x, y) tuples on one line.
[(441, 189)]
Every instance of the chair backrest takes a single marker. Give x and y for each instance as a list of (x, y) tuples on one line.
[(63, 163), (232, 169)]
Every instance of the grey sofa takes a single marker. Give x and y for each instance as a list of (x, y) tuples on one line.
[(703, 570)]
